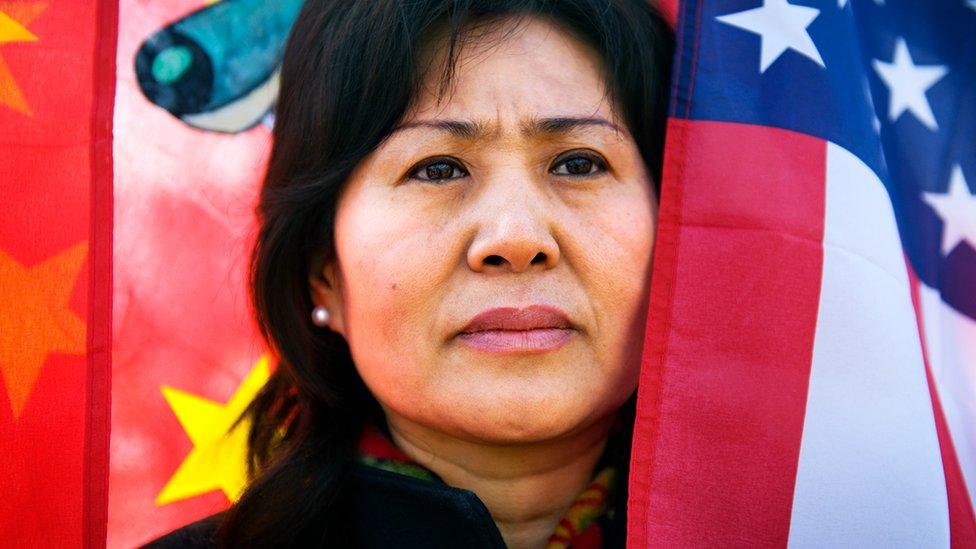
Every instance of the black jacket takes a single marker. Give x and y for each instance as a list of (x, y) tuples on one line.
[(394, 510)]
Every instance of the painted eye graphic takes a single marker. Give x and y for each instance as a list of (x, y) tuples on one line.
[(217, 68)]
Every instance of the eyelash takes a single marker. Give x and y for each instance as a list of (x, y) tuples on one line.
[(597, 162)]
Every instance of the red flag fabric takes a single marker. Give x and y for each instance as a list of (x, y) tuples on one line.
[(122, 306), (56, 90), (186, 356)]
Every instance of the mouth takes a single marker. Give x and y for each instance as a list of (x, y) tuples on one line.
[(511, 330), (539, 340)]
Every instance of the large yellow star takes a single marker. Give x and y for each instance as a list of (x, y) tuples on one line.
[(14, 18), (218, 459), (35, 319)]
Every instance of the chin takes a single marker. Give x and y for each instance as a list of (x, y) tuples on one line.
[(526, 422), (494, 406)]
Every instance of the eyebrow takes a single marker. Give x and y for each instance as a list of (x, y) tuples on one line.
[(531, 127)]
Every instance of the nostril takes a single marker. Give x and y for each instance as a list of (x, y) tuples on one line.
[(494, 260), (539, 258)]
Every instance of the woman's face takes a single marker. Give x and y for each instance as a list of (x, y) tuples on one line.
[(520, 191)]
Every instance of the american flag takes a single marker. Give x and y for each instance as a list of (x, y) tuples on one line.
[(809, 373)]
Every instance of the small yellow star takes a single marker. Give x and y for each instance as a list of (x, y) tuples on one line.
[(13, 20), (35, 318), (218, 459)]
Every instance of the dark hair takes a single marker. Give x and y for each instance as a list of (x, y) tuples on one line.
[(350, 71)]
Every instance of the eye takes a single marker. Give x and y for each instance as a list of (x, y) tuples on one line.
[(438, 169), (579, 164)]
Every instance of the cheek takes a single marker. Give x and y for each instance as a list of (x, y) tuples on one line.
[(392, 266), (628, 233), (619, 241)]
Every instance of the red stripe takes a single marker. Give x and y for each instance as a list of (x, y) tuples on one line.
[(649, 388), (962, 521), (729, 341), (99, 379)]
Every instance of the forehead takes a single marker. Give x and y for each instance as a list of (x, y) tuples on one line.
[(515, 69)]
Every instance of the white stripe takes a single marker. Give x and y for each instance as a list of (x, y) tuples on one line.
[(870, 472), (951, 340)]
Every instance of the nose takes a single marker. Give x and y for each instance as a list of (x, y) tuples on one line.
[(515, 232)]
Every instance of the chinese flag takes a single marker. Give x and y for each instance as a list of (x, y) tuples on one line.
[(56, 91), (126, 345)]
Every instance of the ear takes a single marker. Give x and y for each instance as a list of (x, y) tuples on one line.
[(325, 287)]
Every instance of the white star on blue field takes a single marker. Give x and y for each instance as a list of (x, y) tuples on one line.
[(852, 72)]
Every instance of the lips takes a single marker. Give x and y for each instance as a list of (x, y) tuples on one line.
[(534, 317), (518, 331)]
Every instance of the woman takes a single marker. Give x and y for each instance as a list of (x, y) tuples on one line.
[(453, 268)]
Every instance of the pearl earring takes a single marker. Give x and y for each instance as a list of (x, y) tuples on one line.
[(320, 316)]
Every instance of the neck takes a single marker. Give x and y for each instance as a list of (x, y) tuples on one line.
[(526, 487)]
